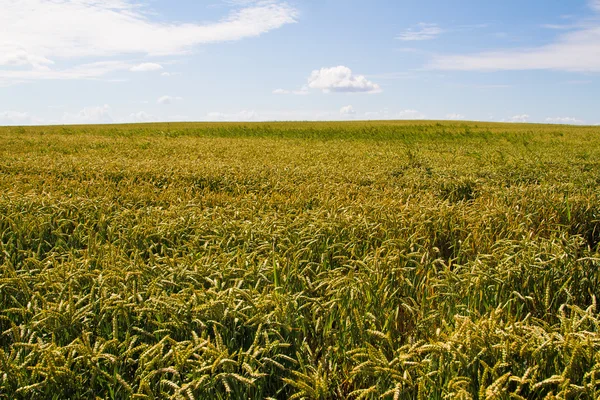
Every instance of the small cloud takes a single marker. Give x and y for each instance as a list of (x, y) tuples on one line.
[(17, 118), (518, 118), (341, 80), (385, 114), (240, 116), (565, 121), (146, 67), (410, 114), (141, 116), (302, 92), (168, 100), (168, 74), (422, 31), (179, 118), (347, 111), (90, 115), (455, 116)]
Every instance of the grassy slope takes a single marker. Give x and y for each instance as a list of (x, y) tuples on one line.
[(393, 259)]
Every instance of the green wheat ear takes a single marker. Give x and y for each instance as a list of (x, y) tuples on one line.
[(275, 273)]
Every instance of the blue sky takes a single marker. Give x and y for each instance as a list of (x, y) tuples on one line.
[(103, 61)]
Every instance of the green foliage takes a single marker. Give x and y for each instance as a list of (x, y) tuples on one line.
[(388, 260)]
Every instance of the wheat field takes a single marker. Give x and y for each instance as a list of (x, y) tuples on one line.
[(380, 260)]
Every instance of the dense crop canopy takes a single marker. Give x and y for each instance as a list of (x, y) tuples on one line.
[(361, 260)]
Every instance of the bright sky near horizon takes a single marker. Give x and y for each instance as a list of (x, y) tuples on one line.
[(103, 61)]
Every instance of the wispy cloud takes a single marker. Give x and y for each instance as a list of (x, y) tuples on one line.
[(303, 91), (17, 118), (141, 116), (518, 118), (83, 71), (577, 50), (243, 115), (423, 31), (481, 86), (39, 33), (578, 82), (410, 114), (90, 115), (558, 27), (565, 120), (386, 114), (165, 100), (146, 67)]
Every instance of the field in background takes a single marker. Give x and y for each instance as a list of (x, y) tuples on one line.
[(394, 260)]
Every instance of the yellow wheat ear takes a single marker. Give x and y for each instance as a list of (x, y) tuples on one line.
[(391, 260)]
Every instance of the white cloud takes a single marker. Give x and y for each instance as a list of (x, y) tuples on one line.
[(275, 115), (17, 118), (83, 71), (577, 50), (37, 33), (141, 116), (341, 79), (518, 118), (168, 99), (302, 92), (565, 120), (347, 111), (240, 116), (92, 28), (179, 118), (410, 114), (146, 67), (558, 27), (422, 31), (385, 114), (455, 116), (90, 115), (19, 57)]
